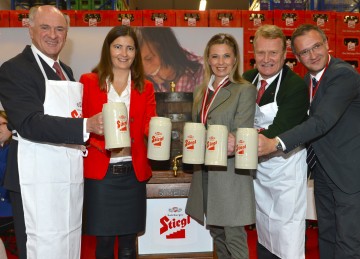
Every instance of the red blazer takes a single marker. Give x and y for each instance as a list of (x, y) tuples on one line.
[(142, 108)]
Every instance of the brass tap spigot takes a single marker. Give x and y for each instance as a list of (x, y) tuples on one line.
[(175, 164), (172, 86)]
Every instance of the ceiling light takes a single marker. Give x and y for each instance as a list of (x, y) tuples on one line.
[(202, 5)]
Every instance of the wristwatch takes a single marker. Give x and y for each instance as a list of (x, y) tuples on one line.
[(278, 145)]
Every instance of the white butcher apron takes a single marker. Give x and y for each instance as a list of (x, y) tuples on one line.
[(280, 193), (51, 181)]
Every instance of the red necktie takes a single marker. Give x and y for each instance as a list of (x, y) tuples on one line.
[(261, 91), (57, 68)]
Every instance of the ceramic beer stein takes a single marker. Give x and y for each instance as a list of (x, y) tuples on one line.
[(193, 143), (246, 148), (159, 138), (116, 127), (216, 145)]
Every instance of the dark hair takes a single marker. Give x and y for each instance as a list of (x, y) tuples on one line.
[(302, 30), (104, 67), (165, 43)]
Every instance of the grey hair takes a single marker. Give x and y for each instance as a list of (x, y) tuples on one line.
[(33, 11)]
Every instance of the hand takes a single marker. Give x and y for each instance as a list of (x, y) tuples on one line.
[(231, 144), (95, 124), (266, 145)]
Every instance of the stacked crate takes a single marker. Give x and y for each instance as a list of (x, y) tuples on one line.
[(288, 21), (348, 38), (251, 21)]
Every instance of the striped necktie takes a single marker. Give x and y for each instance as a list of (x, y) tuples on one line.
[(261, 91), (311, 156)]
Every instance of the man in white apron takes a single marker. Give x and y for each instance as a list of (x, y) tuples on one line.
[(45, 171), (333, 134), (280, 184)]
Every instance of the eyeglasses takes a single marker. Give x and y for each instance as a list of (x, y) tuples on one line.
[(306, 52)]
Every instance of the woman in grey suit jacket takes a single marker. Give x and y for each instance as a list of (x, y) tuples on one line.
[(224, 195)]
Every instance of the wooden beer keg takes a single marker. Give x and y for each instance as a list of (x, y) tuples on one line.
[(177, 106)]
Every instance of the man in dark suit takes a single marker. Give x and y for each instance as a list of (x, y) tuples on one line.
[(44, 172), (333, 130), (280, 217)]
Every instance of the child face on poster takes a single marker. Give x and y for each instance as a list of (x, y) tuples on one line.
[(153, 66)]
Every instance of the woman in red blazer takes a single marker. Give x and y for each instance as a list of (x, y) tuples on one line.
[(115, 180)]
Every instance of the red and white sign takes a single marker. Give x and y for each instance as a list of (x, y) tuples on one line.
[(170, 230)]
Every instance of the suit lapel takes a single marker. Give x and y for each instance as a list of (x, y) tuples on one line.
[(221, 97)]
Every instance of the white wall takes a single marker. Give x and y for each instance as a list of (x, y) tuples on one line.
[(82, 50)]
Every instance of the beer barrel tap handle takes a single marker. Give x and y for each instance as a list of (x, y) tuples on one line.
[(175, 164)]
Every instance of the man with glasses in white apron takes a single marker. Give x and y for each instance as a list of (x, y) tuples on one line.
[(45, 170), (280, 184)]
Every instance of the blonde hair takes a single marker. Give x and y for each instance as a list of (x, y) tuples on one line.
[(234, 76)]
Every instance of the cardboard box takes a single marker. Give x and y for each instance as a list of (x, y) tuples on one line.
[(348, 45), (225, 18), (159, 18), (4, 18), (326, 20), (19, 18), (130, 18), (92, 18), (192, 18), (289, 20), (252, 20), (347, 23)]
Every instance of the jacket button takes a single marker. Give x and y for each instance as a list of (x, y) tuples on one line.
[(132, 140), (131, 119)]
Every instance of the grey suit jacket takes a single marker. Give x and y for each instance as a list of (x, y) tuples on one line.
[(230, 197), (22, 93), (333, 127)]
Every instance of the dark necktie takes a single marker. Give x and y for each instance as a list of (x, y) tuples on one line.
[(314, 84), (261, 91), (57, 68), (311, 156)]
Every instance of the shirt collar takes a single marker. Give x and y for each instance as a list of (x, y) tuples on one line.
[(211, 81), (269, 80), (47, 60)]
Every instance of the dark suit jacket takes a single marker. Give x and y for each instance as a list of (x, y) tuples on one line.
[(334, 125), (22, 93), (292, 100)]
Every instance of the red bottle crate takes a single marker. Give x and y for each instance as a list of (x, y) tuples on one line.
[(130, 18), (252, 20), (92, 18), (159, 18), (192, 18), (225, 18)]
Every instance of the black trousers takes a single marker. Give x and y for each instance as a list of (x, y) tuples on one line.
[(19, 223), (263, 253), (338, 218), (126, 247)]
